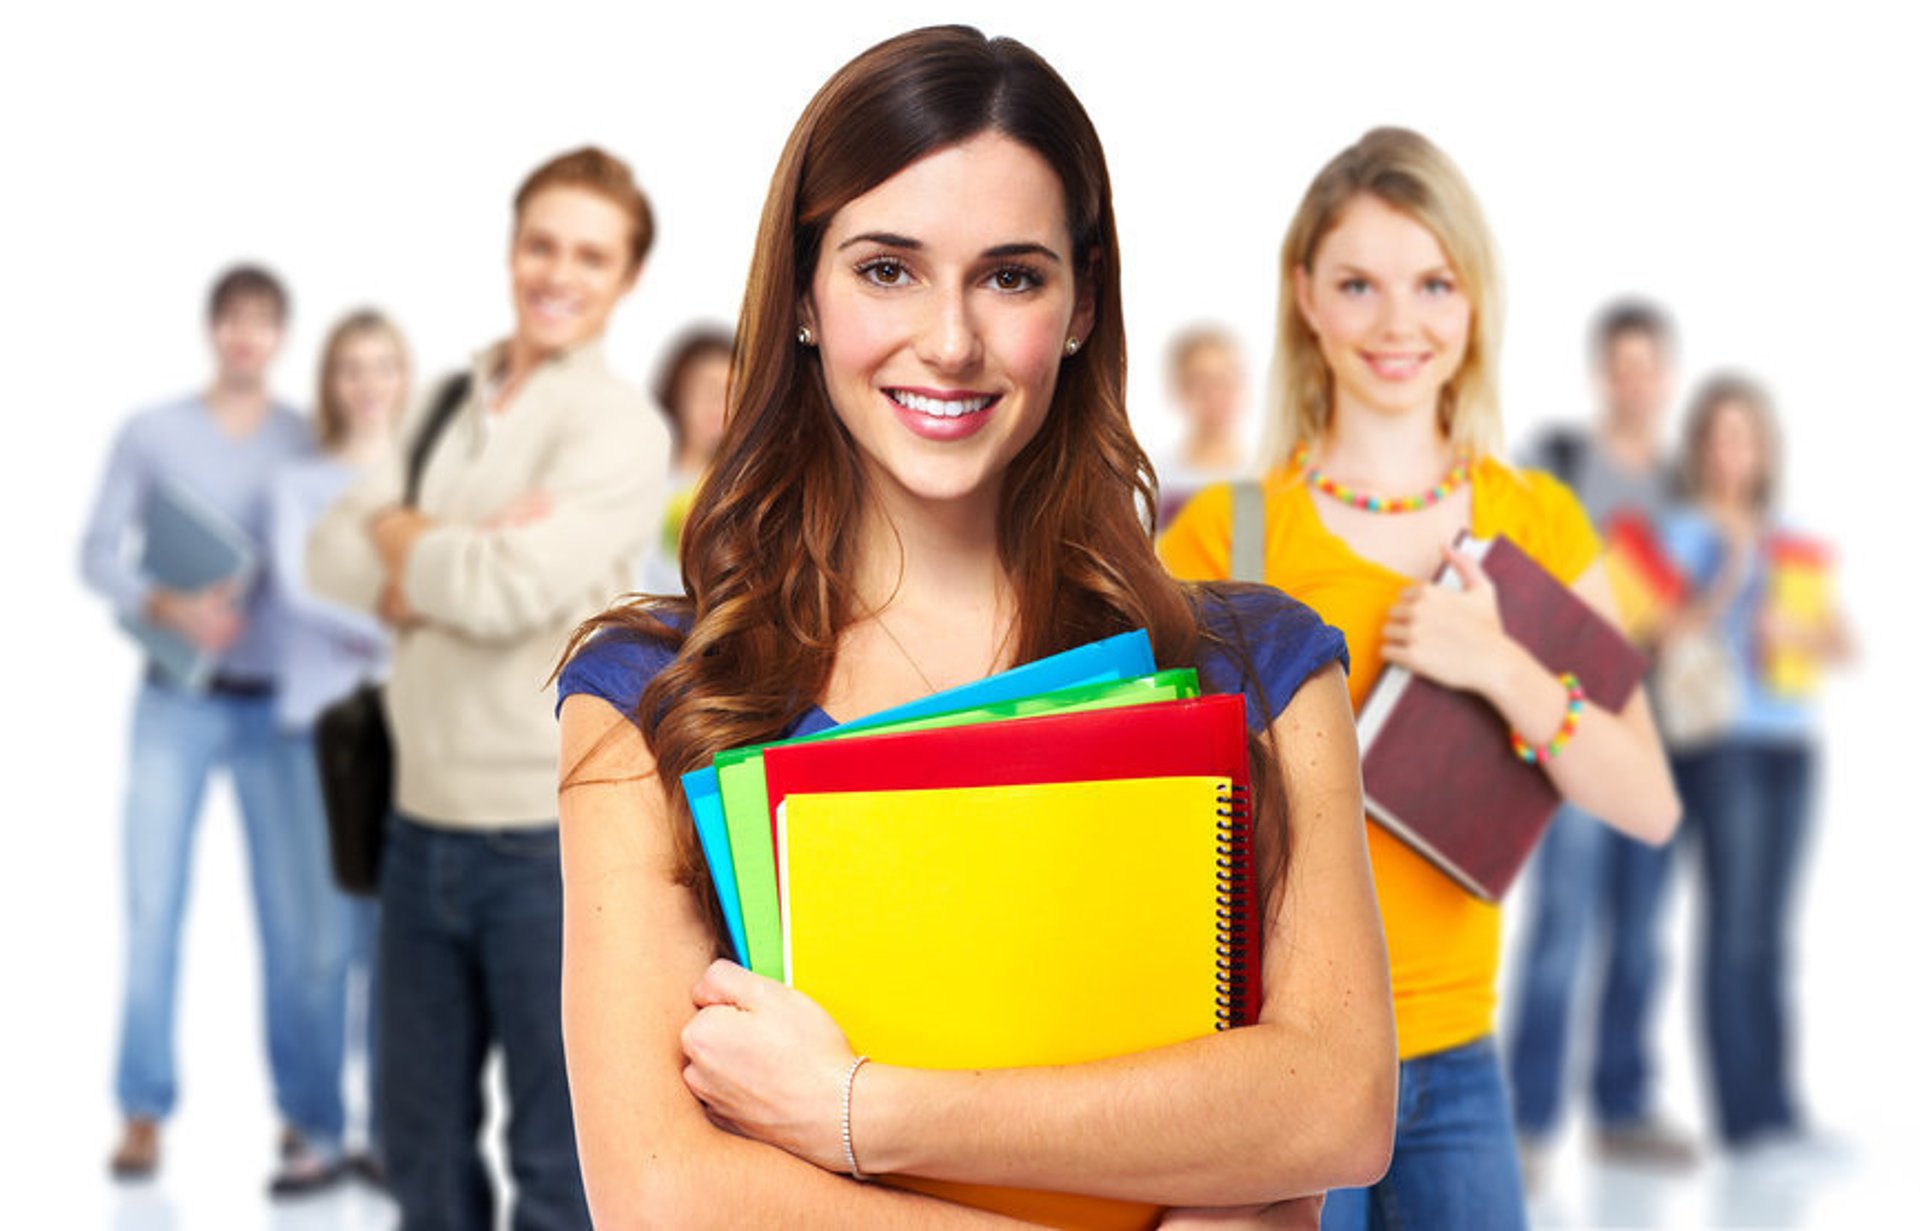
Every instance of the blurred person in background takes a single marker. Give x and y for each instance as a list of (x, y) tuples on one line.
[(328, 651), (1585, 873), (1749, 790), (1385, 430), (219, 448), (691, 392), (1209, 383), (535, 503)]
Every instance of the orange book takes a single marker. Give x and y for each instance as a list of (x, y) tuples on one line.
[(1799, 594), (1646, 586)]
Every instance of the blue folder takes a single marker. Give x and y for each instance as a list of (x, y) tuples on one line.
[(1119, 657), (185, 545)]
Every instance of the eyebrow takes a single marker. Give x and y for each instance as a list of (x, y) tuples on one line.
[(888, 239), (1344, 268)]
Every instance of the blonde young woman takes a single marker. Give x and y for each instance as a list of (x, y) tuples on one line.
[(927, 476), (326, 651), (1385, 389)]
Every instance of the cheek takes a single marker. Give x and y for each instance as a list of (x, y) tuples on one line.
[(855, 339)]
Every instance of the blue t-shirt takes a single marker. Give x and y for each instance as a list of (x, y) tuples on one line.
[(1693, 543), (1273, 645)]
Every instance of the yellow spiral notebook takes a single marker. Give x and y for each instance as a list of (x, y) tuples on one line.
[(1004, 926)]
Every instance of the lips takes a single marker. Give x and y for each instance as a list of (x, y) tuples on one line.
[(942, 414), (1395, 366)]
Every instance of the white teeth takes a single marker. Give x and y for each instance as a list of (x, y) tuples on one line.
[(946, 409)]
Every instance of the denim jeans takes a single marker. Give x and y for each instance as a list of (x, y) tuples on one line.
[(1749, 806), (470, 957), (1587, 873), (1454, 1160), (179, 739)]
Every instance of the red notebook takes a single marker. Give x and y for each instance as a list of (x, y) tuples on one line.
[(1200, 736), (1437, 764)]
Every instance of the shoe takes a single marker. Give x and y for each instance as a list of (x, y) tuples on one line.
[(368, 1168), (1648, 1143), (306, 1170), (1533, 1164), (137, 1156)]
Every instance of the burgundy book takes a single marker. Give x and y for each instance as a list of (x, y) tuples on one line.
[(1438, 764)]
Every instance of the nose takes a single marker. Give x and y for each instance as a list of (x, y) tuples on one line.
[(1397, 313), (949, 337)]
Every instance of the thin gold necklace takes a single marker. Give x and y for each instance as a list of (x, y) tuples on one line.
[(881, 623)]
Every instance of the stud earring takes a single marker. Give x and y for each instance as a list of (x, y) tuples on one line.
[(1073, 346), (806, 336)]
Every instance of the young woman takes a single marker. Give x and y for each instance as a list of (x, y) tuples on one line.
[(1749, 790), (534, 502), (326, 651), (1389, 320), (927, 476), (692, 394), (1209, 391)]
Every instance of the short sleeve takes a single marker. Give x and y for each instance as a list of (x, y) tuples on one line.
[(1559, 534), (616, 666), (1267, 645), (1198, 545)]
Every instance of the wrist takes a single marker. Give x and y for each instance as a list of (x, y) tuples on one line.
[(877, 1136)]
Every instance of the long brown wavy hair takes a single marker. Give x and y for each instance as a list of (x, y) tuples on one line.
[(767, 559)]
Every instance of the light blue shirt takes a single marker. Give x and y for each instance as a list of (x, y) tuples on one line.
[(326, 649), (1694, 545), (182, 443)]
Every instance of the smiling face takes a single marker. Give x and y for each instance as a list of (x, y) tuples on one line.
[(570, 264), (941, 306), (367, 383), (1733, 453), (246, 335), (1388, 310)]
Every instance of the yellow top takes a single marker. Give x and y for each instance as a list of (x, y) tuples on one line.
[(1442, 942)]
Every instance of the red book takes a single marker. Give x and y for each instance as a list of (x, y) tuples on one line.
[(1200, 736), (1438, 765)]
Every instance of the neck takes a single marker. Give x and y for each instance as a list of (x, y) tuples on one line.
[(1388, 453), (238, 402), (921, 553), (1732, 510), (1631, 445), (363, 447), (1212, 449)]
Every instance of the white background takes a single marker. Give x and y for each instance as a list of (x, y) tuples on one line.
[(1749, 169)]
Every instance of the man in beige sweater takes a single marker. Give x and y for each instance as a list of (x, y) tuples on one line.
[(536, 498)]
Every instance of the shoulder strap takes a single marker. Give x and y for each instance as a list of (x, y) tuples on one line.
[(1247, 560), (451, 395), (1563, 451)]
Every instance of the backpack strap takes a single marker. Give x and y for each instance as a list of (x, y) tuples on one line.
[(445, 403), (1564, 452), (1247, 560)]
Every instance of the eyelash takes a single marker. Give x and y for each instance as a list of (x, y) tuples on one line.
[(1031, 278)]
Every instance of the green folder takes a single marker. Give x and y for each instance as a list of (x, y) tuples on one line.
[(743, 789)]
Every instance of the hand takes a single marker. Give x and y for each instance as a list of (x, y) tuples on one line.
[(393, 531), (394, 607), (207, 617), (1301, 1212), (522, 510), (767, 1062), (1452, 637)]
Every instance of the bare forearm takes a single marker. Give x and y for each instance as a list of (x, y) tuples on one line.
[(1612, 766), (1225, 1120)]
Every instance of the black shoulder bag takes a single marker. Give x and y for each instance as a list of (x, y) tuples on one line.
[(350, 740)]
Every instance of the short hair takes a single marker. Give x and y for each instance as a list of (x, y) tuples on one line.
[(246, 282), (595, 170), (1408, 173), (1193, 339), (1624, 317), (1717, 393), (693, 344)]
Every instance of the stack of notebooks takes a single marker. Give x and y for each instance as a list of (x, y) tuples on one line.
[(1049, 866)]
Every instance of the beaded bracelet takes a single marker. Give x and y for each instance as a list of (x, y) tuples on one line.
[(1576, 701), (846, 1118)]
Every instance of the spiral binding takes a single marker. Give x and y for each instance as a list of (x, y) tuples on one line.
[(1233, 894)]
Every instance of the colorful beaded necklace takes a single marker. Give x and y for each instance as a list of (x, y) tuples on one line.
[(1368, 503)]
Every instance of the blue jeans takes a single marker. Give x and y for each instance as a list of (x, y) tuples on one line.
[(1749, 806), (1584, 869), (470, 957), (179, 739), (1454, 1161)]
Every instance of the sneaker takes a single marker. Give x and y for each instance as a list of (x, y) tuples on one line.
[(367, 1167), (1533, 1164), (305, 1169), (138, 1155), (1647, 1143)]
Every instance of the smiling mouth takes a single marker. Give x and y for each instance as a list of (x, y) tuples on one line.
[(1396, 366), (941, 407)]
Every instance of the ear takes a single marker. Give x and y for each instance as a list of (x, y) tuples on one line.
[(632, 278), (1303, 295), (803, 313), (1085, 292)]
